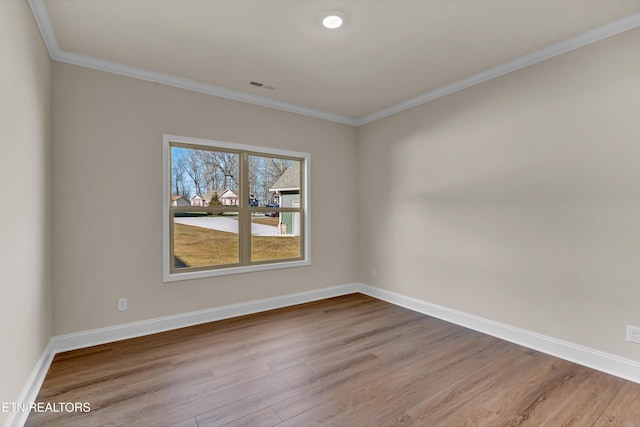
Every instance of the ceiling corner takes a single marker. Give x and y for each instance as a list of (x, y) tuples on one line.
[(41, 16)]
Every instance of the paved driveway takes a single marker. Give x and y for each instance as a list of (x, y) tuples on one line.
[(226, 224)]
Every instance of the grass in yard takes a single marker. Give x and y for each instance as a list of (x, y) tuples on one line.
[(273, 221), (197, 247), (264, 248)]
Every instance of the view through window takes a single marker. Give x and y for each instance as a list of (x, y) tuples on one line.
[(233, 208)]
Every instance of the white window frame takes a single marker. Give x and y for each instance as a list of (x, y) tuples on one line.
[(305, 175)]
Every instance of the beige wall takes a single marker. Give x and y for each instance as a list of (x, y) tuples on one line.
[(517, 200), (24, 225), (107, 199)]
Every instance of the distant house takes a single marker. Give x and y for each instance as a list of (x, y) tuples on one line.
[(287, 191), (179, 201), (198, 200), (226, 198), (206, 198)]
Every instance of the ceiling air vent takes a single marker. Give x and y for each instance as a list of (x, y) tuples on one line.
[(262, 85)]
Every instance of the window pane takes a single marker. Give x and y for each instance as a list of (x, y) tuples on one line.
[(270, 240), (273, 181), (201, 240), (201, 177)]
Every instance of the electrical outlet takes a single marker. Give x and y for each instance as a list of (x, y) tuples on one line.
[(633, 333), (122, 304), (374, 274)]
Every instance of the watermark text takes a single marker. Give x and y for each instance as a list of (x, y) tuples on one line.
[(45, 407)]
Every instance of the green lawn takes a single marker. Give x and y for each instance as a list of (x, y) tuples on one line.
[(197, 247), (265, 220)]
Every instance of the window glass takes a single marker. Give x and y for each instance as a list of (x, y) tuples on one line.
[(232, 208)]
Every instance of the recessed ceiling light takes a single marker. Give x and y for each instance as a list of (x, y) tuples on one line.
[(333, 19)]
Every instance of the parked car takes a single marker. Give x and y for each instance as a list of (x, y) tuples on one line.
[(272, 205)]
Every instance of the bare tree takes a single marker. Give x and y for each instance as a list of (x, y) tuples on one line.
[(219, 169), (210, 170), (263, 173), (277, 167), (179, 185), (194, 170)]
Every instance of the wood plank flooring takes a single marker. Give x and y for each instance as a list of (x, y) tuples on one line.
[(346, 361)]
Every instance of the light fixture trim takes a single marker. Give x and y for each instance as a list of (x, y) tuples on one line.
[(333, 19)]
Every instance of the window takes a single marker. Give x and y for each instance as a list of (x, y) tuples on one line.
[(245, 208)]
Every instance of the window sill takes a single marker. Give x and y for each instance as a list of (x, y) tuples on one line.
[(176, 277)]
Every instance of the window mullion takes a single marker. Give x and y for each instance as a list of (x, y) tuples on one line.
[(244, 226)]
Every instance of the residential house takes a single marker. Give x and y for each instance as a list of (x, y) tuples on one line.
[(286, 190), (228, 198), (179, 201), (199, 200)]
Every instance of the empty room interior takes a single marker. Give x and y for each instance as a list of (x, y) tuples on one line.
[(404, 212)]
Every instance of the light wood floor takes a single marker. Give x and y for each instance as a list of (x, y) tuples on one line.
[(347, 361)]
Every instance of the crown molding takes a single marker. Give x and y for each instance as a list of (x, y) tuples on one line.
[(39, 10), (194, 86), (41, 16), (592, 36)]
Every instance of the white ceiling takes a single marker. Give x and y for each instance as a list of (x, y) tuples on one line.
[(389, 55)]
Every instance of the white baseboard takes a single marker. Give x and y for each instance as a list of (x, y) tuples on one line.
[(608, 363), (146, 327), (32, 387), (585, 356), (601, 361), (84, 339)]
